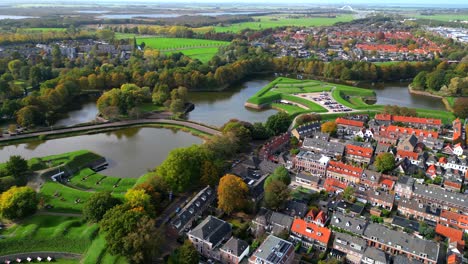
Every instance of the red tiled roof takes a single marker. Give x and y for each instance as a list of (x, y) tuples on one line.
[(457, 129), (359, 151), (316, 215), (453, 234), (389, 183), (408, 119), (443, 160), (407, 154), (432, 169), (348, 122), (409, 131), (311, 231), (332, 185), (340, 167), (453, 259), (453, 184), (417, 120)]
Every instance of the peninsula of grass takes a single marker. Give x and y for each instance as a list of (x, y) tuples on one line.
[(285, 89), (48, 233)]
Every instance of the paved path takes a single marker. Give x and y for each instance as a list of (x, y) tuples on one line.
[(43, 255), (199, 127), (58, 214)]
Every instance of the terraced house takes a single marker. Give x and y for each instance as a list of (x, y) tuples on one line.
[(359, 154), (344, 172)]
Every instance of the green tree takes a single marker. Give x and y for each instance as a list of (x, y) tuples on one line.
[(278, 123), (28, 116), (460, 108), (97, 205), (259, 131), (17, 167), (138, 198), (419, 82), (160, 94), (209, 173), (280, 174), (384, 162), (18, 202), (426, 231), (276, 194), (435, 80), (348, 193), (232, 193), (177, 106), (188, 254)]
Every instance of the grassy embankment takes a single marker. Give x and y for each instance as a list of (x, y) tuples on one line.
[(66, 233), (201, 49), (282, 20), (352, 97)]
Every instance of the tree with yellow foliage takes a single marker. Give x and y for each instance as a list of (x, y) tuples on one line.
[(232, 193), (329, 127), (18, 202)]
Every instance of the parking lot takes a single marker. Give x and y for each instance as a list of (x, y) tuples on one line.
[(326, 100)]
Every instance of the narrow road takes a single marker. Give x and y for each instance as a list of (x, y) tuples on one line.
[(58, 214), (199, 127)]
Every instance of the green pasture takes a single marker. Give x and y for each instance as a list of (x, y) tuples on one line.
[(443, 17), (48, 233), (41, 29), (63, 198), (274, 21)]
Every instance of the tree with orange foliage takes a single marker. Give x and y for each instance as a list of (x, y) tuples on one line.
[(329, 127), (232, 193)]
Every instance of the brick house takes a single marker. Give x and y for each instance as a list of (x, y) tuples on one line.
[(314, 163), (233, 251), (347, 127), (344, 172), (413, 209), (371, 179), (359, 154), (449, 218), (310, 234), (274, 145), (352, 246), (209, 235)]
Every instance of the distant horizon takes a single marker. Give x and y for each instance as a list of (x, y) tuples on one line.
[(386, 3)]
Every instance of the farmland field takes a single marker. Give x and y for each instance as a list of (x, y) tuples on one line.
[(275, 21), (443, 17), (201, 49)]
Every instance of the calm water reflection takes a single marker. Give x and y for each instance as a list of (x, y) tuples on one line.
[(397, 94), (130, 152)]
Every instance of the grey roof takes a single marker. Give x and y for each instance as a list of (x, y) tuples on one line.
[(296, 208), (212, 230), (401, 259), (381, 147), (311, 178), (370, 175), (308, 128), (273, 250), (345, 206), (412, 140), (235, 246), (405, 223), (376, 254), (406, 181), (328, 148), (419, 207), (438, 193), (267, 166), (406, 242), (194, 207), (352, 243), (281, 220), (352, 224)]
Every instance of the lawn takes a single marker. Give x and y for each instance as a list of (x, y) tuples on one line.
[(63, 198), (48, 233), (42, 29), (274, 21), (201, 49), (93, 181)]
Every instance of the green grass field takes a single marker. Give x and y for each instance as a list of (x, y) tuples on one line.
[(275, 21), (442, 17), (48, 233), (201, 49)]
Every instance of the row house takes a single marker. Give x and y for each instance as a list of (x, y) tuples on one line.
[(359, 154), (315, 164), (417, 122), (209, 235), (310, 234), (377, 198), (318, 145), (273, 250), (276, 144), (348, 127), (351, 246), (456, 149), (344, 172), (193, 209), (402, 131), (317, 217), (386, 137), (404, 187), (371, 179), (453, 219), (454, 163), (437, 196), (306, 130), (349, 224), (420, 211), (409, 143), (271, 222), (417, 159), (374, 256), (401, 243)]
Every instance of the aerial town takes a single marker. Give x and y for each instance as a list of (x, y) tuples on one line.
[(246, 132)]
